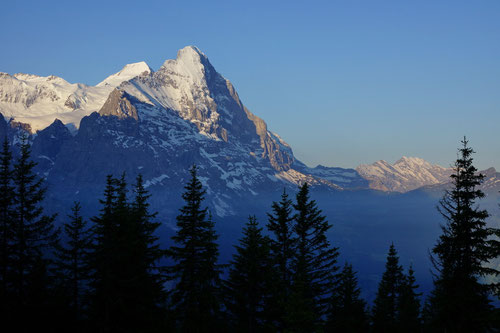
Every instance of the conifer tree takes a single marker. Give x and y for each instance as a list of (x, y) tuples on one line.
[(459, 301), (148, 250), (385, 304), (247, 288), (314, 266), (408, 314), (33, 238), (127, 284), (347, 311), (143, 290), (280, 225), (103, 261), (6, 218), (6, 227), (196, 298), (71, 267)]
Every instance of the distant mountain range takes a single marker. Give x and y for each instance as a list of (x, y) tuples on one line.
[(158, 123), (404, 175)]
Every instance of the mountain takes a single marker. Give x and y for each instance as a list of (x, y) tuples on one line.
[(491, 182), (37, 100), (406, 174), (490, 186), (345, 178), (157, 123), (128, 72)]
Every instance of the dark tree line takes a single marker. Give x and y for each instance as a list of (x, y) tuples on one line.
[(110, 274), (196, 298), (284, 282), (126, 282), (460, 301), (26, 235), (397, 306)]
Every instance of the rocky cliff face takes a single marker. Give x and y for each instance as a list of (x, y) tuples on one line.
[(119, 104), (47, 144), (191, 88)]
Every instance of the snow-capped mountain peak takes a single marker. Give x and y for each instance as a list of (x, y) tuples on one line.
[(406, 174), (189, 87), (40, 79), (412, 161), (37, 101), (190, 63), (128, 72)]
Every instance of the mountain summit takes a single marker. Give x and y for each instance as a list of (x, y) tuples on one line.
[(406, 174), (128, 72)]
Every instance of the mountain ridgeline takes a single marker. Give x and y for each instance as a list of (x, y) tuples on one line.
[(159, 123), (153, 123)]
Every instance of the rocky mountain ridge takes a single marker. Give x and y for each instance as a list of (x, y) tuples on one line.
[(406, 174)]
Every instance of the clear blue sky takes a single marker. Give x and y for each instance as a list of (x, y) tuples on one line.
[(344, 82)]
